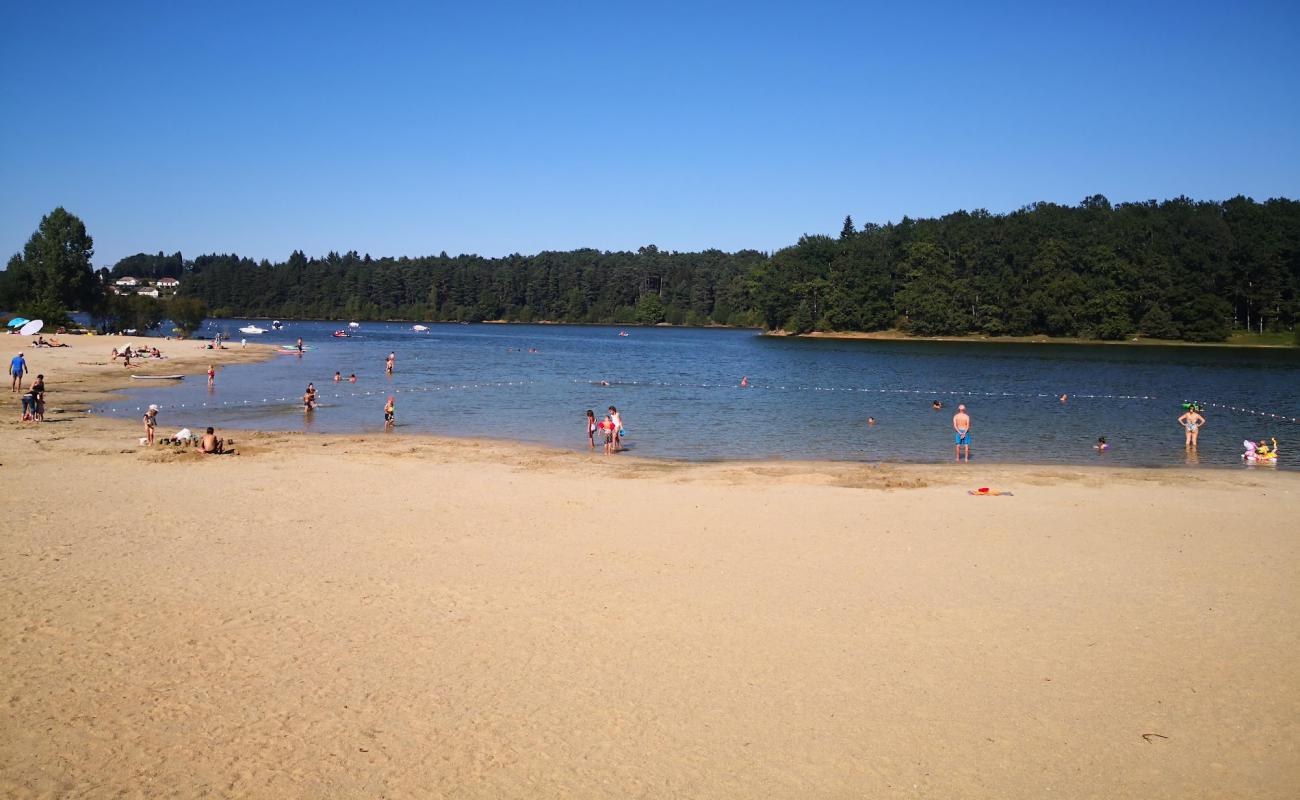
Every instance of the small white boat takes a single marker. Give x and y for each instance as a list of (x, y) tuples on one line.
[(157, 377), (420, 328), (354, 324), (251, 329)]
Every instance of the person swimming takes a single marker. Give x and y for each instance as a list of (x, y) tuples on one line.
[(1101, 445), (744, 381)]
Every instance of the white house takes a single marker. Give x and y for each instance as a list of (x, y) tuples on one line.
[(148, 291), (167, 283), (126, 280)]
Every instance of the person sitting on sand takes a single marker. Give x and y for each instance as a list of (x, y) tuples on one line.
[(211, 445), (150, 423)]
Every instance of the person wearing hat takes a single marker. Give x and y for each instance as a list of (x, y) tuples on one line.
[(17, 368), (150, 422)]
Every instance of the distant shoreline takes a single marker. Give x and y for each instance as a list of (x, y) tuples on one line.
[(892, 335), (900, 336)]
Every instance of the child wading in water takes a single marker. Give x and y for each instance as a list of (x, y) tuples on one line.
[(591, 429), (390, 408)]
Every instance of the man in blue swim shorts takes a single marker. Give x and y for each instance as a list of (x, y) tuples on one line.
[(961, 433)]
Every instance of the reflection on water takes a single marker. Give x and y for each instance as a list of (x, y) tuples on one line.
[(1192, 457), (680, 395)]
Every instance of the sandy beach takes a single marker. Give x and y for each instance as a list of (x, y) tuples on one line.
[(406, 616)]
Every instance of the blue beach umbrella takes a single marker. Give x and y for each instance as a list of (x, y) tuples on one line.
[(17, 322)]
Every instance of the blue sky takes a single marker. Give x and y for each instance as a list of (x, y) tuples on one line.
[(408, 129)]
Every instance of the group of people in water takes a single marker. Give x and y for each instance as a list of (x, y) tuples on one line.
[(1191, 421), (609, 429), (311, 398)]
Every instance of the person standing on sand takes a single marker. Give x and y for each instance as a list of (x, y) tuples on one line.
[(961, 429), (38, 398), (1191, 420), (17, 368), (150, 423)]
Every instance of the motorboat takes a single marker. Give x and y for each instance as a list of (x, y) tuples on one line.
[(341, 335), (252, 329), (420, 328), (354, 325)]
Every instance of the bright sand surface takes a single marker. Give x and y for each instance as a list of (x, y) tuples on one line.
[(397, 616)]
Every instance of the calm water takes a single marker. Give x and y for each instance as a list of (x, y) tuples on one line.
[(678, 392)]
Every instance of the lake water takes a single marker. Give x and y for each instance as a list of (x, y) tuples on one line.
[(808, 399)]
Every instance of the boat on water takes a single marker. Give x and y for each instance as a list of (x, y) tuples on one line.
[(252, 329), (420, 328), (341, 335), (157, 377), (354, 324), (622, 333)]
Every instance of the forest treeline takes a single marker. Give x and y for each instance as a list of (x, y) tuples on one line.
[(1178, 269)]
